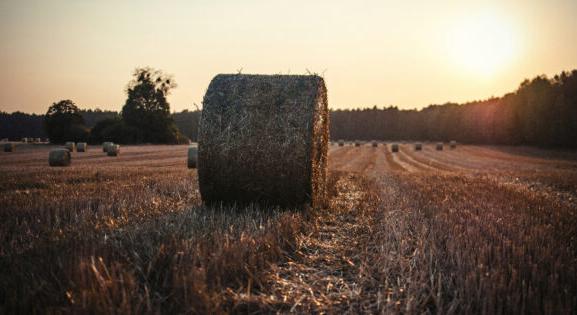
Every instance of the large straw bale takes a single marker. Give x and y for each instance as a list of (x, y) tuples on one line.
[(395, 147), (439, 146), (8, 147), (264, 139), (105, 146), (192, 157), (82, 147), (59, 157), (71, 146), (113, 150)]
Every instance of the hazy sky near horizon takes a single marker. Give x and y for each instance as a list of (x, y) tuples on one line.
[(409, 54)]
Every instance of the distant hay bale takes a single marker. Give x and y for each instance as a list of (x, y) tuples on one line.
[(357, 144), (105, 146), (82, 147), (192, 157), (341, 143), (375, 144), (395, 147), (439, 146), (59, 157), (8, 147), (453, 144), (418, 146), (71, 146), (264, 139), (113, 150)]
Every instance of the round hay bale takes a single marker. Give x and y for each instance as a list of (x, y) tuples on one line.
[(395, 147), (192, 157), (8, 147), (341, 143), (439, 146), (71, 146), (59, 157), (113, 150), (453, 144), (264, 139), (375, 144), (82, 147), (105, 146), (418, 146), (357, 144)]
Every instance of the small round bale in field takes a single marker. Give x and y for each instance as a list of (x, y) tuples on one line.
[(264, 139), (375, 144), (82, 147), (59, 157), (341, 143), (8, 147), (71, 146), (439, 146), (418, 146), (105, 146), (395, 147), (192, 157), (453, 144), (357, 144), (113, 150)]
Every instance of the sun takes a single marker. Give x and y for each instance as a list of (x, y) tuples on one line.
[(483, 44)]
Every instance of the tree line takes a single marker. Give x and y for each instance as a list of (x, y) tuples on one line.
[(542, 111)]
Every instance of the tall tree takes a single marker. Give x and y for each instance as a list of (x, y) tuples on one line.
[(146, 108)]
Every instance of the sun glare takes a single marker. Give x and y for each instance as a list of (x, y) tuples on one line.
[(483, 44)]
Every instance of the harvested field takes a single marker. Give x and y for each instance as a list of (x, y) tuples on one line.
[(475, 230)]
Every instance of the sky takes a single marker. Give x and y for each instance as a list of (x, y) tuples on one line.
[(402, 53)]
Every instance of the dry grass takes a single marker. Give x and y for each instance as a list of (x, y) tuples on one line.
[(130, 236)]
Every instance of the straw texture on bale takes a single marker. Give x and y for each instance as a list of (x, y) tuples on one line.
[(8, 147), (71, 146), (82, 147), (59, 157), (395, 147), (418, 147), (439, 146), (453, 144), (192, 157), (264, 139), (113, 150), (105, 146)]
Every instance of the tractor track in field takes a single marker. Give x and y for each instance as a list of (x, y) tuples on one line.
[(324, 272)]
